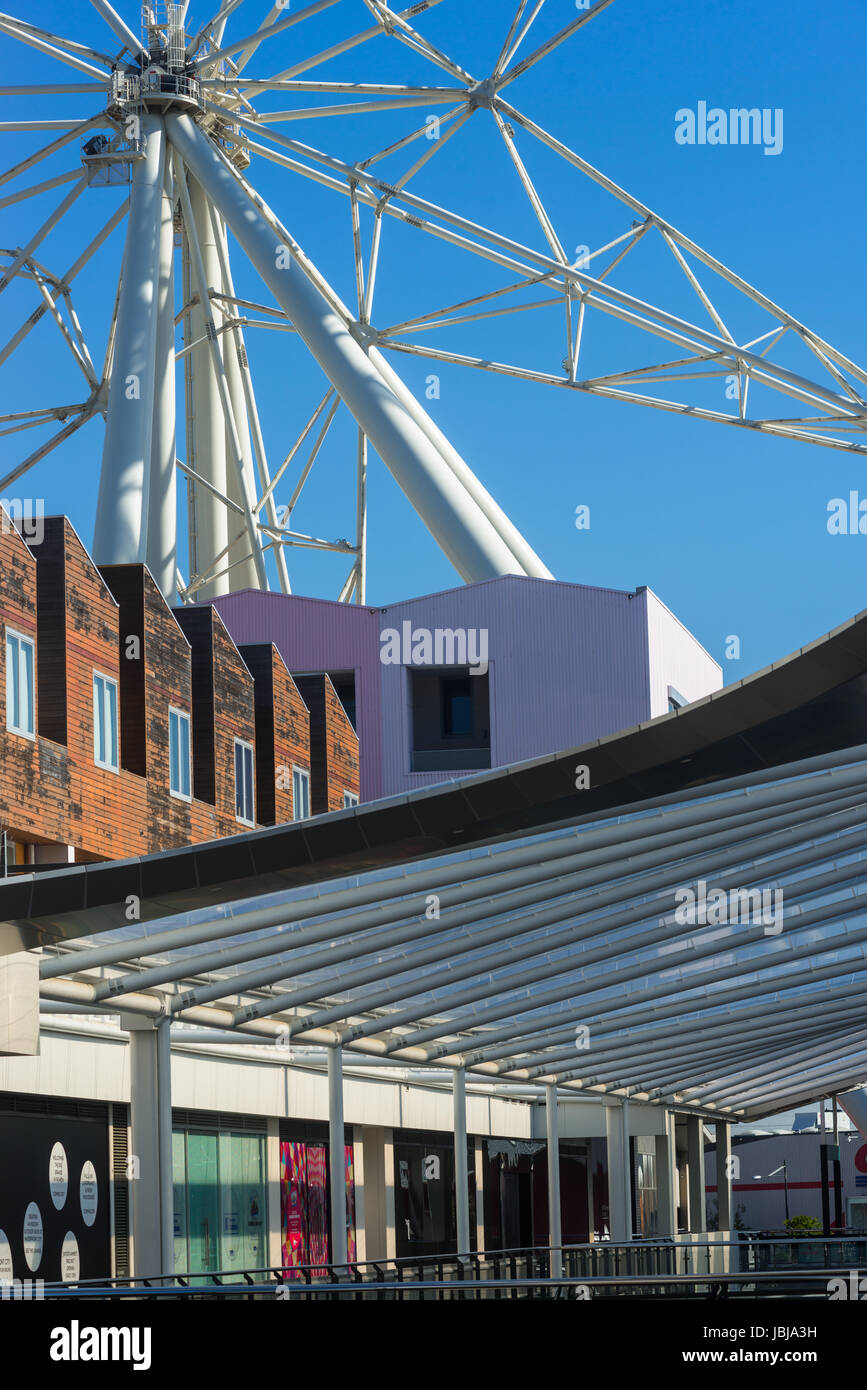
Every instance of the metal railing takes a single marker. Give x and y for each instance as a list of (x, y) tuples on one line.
[(747, 1267)]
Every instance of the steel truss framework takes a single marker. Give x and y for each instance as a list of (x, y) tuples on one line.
[(188, 120), (493, 962)]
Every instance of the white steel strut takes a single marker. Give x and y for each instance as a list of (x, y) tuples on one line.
[(181, 122)]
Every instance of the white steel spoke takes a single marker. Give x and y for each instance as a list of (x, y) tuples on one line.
[(355, 108), (39, 236), (71, 45), (287, 22), (396, 26), (72, 134), (682, 241), (360, 587), (46, 448), (409, 139), (255, 86), (82, 361), (676, 407), (519, 40), (338, 49), (63, 90), (311, 424), (119, 28), (546, 48), (501, 58), (25, 33), (212, 26), (37, 188), (314, 454), (434, 148), (529, 188)]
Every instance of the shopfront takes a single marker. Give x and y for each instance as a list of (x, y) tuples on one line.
[(424, 1194), (305, 1196), (221, 1208), (55, 1196), (516, 1192)]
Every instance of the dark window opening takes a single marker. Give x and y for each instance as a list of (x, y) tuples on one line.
[(450, 719)]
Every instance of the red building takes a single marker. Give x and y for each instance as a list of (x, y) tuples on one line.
[(131, 727)]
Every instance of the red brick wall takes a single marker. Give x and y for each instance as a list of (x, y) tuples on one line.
[(82, 619)]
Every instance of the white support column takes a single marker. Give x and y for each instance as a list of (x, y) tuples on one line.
[(122, 505), (164, 1110), (336, 1157), (479, 1156), (454, 519), (665, 1180), (619, 1176), (462, 1185), (151, 1145), (272, 1161), (211, 519), (723, 1151), (695, 1160), (390, 1210), (555, 1223), (161, 548)]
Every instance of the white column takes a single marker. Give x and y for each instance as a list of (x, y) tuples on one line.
[(164, 1109), (555, 1224), (454, 519), (390, 1216), (161, 544), (275, 1215), (336, 1156), (151, 1146), (619, 1176), (480, 1192), (462, 1185), (666, 1202), (723, 1151), (695, 1159), (122, 505)]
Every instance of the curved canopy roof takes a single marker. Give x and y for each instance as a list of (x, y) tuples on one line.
[(528, 931)]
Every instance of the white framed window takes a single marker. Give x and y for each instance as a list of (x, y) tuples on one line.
[(20, 684), (349, 799), (105, 739), (300, 793), (179, 754), (245, 804)]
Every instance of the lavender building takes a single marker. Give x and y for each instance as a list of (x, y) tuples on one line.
[(565, 663)]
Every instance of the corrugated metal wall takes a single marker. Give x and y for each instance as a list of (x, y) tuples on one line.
[(567, 663)]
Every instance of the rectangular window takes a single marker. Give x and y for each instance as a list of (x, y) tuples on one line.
[(244, 801), (105, 740), (20, 685), (349, 799), (300, 793), (457, 707), (179, 754)]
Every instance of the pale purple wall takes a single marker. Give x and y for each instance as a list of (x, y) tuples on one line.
[(676, 658), (319, 635), (567, 663)]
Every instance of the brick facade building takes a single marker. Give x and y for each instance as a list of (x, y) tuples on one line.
[(130, 727)]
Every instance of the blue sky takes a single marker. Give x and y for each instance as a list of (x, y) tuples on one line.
[(727, 527)]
